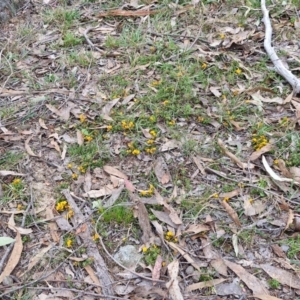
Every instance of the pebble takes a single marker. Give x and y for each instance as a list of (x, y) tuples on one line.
[(189, 270)]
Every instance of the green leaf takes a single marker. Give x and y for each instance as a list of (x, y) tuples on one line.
[(4, 240)]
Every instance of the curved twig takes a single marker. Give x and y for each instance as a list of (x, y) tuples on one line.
[(279, 67)]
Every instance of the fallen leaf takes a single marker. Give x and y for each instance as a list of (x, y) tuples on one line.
[(128, 13), (250, 280), (161, 171), (7, 173), (255, 155), (197, 228), (173, 284), (289, 220), (105, 191), (114, 197), (52, 225), (170, 145), (87, 181), (14, 258), (265, 297), (12, 225), (204, 284), (37, 257), (113, 171), (184, 254), (231, 212), (197, 161), (42, 123), (107, 108), (230, 194), (234, 158), (215, 91), (80, 137), (27, 147), (284, 277), (156, 269)]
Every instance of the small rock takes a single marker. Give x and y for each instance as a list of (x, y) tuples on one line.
[(128, 256), (7, 280), (189, 270), (196, 276)]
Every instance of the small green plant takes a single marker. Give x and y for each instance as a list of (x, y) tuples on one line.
[(151, 253), (294, 247), (71, 40), (273, 283), (118, 214)]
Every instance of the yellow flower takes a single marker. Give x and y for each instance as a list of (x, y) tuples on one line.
[(81, 169), (152, 118), (96, 237), (74, 176), (215, 195), (170, 234), (276, 162), (150, 142), (238, 71), (144, 193), (145, 249), (200, 119), (20, 206), (136, 152), (163, 263), (61, 206), (222, 36), (69, 243), (172, 122), (130, 145), (166, 102), (109, 127), (156, 83), (241, 185), (88, 138), (151, 150), (82, 118), (70, 214), (204, 66), (16, 181), (153, 133), (251, 200), (69, 166), (226, 199)]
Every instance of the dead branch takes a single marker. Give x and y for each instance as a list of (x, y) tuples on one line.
[(279, 67)]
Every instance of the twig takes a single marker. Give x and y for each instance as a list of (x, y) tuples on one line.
[(279, 67), (89, 41)]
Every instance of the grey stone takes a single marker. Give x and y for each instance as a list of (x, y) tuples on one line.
[(128, 256), (189, 270)]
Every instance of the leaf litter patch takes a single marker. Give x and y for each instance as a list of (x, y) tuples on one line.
[(180, 142)]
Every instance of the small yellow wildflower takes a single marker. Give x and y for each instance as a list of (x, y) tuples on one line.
[(251, 200), (151, 150), (153, 133), (143, 193), (61, 206), (81, 169), (20, 206), (175, 240), (170, 234), (88, 138), (166, 102), (150, 142), (152, 119), (226, 199), (16, 181), (238, 71), (241, 185), (223, 96), (222, 36), (130, 145), (200, 119), (136, 152), (172, 122), (156, 83), (70, 213), (69, 166), (275, 162), (96, 237), (215, 195), (69, 243), (109, 127), (82, 118), (235, 92), (127, 125), (204, 66), (145, 249), (163, 263), (74, 176)]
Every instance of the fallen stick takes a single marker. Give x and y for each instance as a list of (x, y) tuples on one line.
[(279, 66)]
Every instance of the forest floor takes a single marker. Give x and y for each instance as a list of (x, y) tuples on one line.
[(153, 124)]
